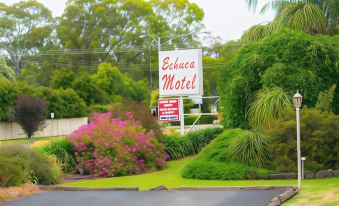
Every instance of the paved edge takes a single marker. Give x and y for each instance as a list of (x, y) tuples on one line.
[(225, 188), (73, 188), (283, 197)]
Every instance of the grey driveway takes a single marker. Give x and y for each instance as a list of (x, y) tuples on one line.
[(147, 198)]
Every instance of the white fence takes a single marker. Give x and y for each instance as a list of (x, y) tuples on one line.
[(55, 127)]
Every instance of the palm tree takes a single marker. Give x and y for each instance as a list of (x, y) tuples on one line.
[(310, 16)]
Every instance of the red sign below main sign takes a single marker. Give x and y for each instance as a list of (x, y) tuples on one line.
[(168, 110)]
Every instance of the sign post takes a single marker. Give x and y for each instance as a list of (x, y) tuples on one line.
[(182, 117), (180, 74)]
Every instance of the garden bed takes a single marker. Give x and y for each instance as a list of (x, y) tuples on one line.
[(12, 193)]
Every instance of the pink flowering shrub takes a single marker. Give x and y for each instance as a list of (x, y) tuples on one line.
[(114, 147)]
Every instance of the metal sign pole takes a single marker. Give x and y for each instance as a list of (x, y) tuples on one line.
[(182, 115)]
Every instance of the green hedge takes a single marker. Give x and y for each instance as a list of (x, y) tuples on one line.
[(178, 146), (222, 171), (189, 120), (213, 162)]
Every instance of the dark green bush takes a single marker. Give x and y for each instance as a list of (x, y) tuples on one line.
[(8, 93), (178, 147), (189, 120), (64, 103), (222, 171), (13, 171), (42, 169), (213, 161), (319, 141), (64, 151)]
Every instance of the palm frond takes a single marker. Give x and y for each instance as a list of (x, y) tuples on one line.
[(267, 105), (302, 16)]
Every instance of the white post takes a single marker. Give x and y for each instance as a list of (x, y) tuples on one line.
[(298, 147), (182, 119)]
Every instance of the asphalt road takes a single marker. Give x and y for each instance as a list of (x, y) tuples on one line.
[(149, 198)]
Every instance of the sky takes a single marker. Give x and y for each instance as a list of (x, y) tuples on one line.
[(225, 18)]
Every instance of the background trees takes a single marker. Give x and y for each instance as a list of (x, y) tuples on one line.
[(24, 28)]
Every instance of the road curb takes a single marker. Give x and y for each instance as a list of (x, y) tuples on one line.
[(283, 197), (72, 188)]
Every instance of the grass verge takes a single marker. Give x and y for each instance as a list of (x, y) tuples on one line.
[(29, 141)]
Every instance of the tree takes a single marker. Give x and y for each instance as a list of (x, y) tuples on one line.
[(276, 61), (86, 88), (114, 83), (24, 27), (5, 71), (62, 79), (311, 16), (29, 113)]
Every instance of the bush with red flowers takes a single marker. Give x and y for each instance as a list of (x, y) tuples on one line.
[(115, 147)]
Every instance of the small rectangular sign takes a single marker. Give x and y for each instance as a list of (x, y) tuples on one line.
[(168, 110), (180, 73)]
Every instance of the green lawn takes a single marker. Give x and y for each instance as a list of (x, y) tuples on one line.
[(171, 178), (323, 192), (28, 141)]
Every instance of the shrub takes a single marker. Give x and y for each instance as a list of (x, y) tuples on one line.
[(319, 141), (97, 108), (29, 113), (189, 120), (64, 151), (178, 146), (140, 111), (41, 168), (13, 172), (213, 161), (115, 147), (249, 148), (64, 103), (8, 94), (222, 171)]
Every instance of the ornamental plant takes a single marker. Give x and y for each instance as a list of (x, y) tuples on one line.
[(115, 147)]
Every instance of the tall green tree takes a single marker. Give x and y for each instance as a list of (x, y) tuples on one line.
[(24, 28), (310, 16)]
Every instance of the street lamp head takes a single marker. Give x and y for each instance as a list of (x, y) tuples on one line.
[(297, 99)]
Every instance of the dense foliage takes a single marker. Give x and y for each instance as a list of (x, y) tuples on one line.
[(115, 147), (213, 161), (7, 101), (319, 141), (20, 164), (64, 151), (276, 61), (29, 114), (249, 148), (178, 146)]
